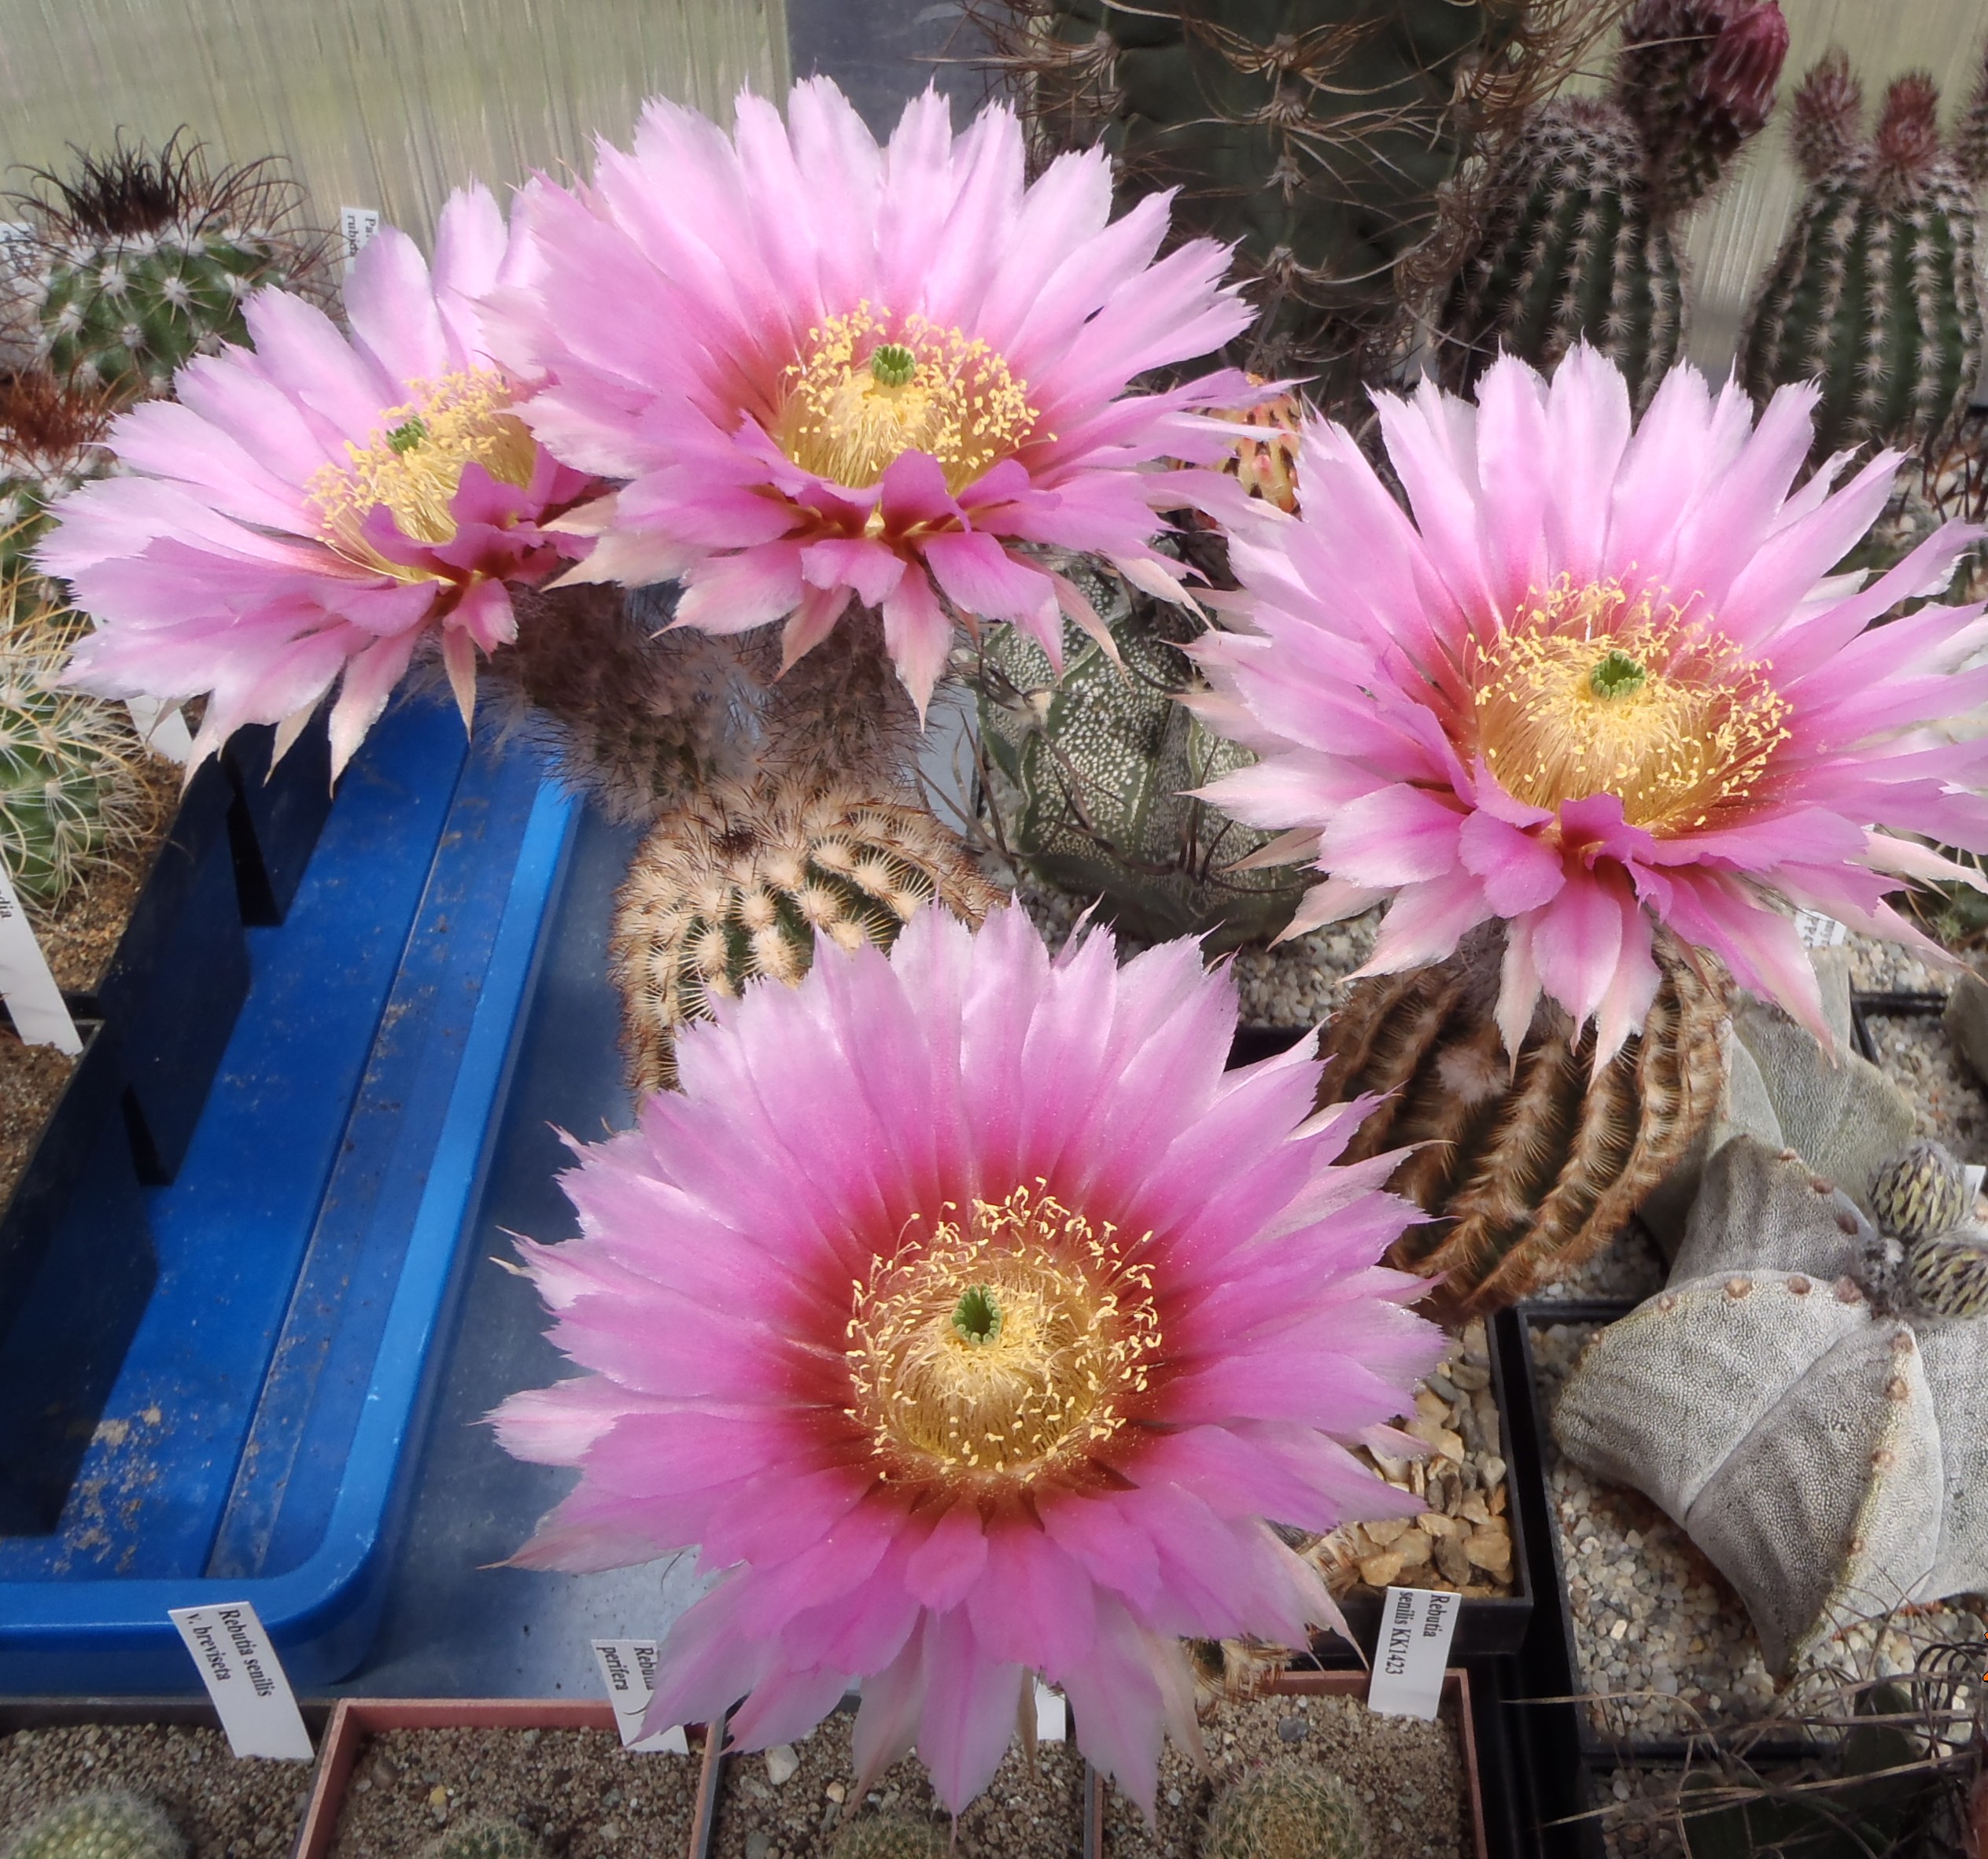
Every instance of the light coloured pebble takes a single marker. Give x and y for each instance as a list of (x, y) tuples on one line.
[(1915, 1053), (1880, 967), (781, 1762), (1665, 1646), (1628, 1270)]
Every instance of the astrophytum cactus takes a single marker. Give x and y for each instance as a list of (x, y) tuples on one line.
[(1819, 1430)]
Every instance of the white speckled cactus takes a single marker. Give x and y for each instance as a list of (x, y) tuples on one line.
[(1820, 1433)]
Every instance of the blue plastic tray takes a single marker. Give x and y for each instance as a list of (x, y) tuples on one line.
[(255, 1442)]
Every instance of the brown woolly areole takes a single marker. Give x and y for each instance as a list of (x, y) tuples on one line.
[(1002, 1346)]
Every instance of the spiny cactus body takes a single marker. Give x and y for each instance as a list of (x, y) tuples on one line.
[(1579, 239), (1319, 133), (110, 1824), (68, 762), (484, 1837), (736, 885), (1532, 1168), (889, 1836), (1875, 290), (51, 441), (1919, 1191), (1093, 772), (141, 261), (1947, 1273), (1287, 1810)]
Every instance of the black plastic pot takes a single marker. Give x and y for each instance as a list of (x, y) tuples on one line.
[(76, 1271), (178, 979), (279, 815)]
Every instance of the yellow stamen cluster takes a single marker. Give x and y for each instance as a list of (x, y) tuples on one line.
[(871, 388), (414, 465), (1000, 1346), (1591, 690)]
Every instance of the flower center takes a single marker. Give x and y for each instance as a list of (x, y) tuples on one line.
[(414, 467), (1004, 1344), (871, 388), (1591, 692)]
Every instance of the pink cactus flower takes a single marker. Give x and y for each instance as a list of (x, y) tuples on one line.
[(315, 508), (1601, 679), (970, 1318), (837, 373)]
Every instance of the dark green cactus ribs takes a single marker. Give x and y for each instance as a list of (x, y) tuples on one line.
[(1583, 212), (1875, 292)]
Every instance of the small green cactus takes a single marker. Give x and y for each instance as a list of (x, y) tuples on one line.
[(51, 441), (1922, 1191), (67, 763), (106, 1825), (140, 261), (889, 1836), (1875, 290), (736, 884), (1287, 1810), (1091, 774), (1580, 241), (484, 1837)]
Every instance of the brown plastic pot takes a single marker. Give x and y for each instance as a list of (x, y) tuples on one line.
[(1456, 1694), (354, 1719)]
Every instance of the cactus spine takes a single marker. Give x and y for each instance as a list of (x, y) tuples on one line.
[(737, 884), (889, 1836), (1580, 241), (106, 1825), (1091, 776), (140, 261), (1534, 1168), (1287, 1810), (1919, 1191), (68, 793), (1875, 290), (51, 441), (484, 1837)]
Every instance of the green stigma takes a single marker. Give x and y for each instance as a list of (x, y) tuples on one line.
[(407, 436), (977, 1317), (1617, 675), (892, 364)]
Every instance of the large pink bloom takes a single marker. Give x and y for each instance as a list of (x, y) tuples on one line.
[(836, 372), (1601, 679), (315, 507), (971, 1317)]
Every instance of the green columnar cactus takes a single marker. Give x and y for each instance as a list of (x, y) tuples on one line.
[(1288, 1810), (51, 441), (68, 793), (1875, 291), (736, 884), (889, 1836), (1580, 240), (484, 1837), (140, 261), (107, 1825), (1318, 133), (1091, 774)]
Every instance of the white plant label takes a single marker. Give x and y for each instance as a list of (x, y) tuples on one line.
[(1417, 1624), (356, 225), (245, 1680), (161, 728), (1052, 1715), (628, 1668), (40, 1015), (1819, 931)]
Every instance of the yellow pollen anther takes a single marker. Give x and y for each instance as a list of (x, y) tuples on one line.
[(871, 388), (1590, 691), (1000, 1346), (413, 466)]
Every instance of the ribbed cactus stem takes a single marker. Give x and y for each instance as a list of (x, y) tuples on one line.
[(483, 1837), (51, 441), (1875, 291), (1288, 1810)]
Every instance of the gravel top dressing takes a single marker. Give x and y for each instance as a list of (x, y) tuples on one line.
[(788, 1802), (1409, 1775), (227, 1809), (578, 1791)]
